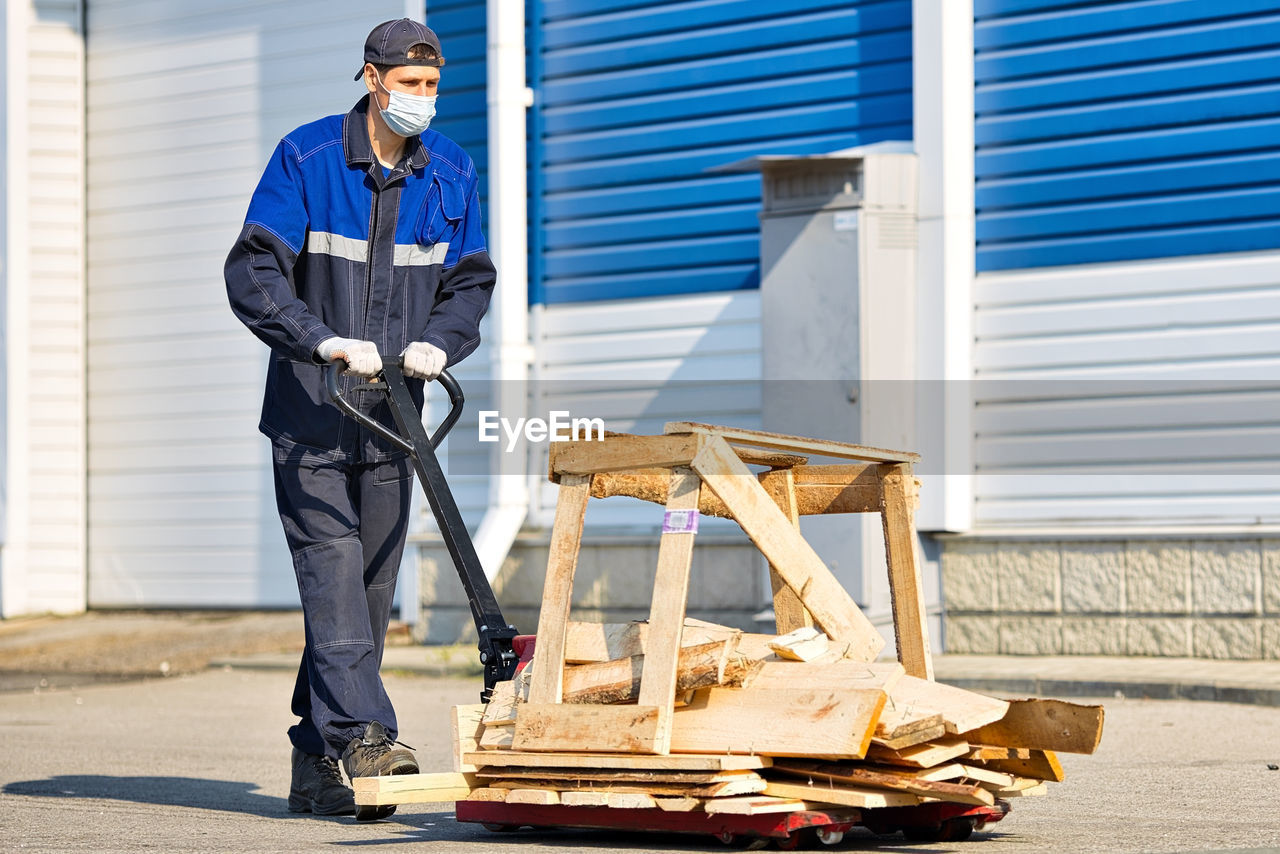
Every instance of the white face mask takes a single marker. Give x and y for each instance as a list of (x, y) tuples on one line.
[(406, 114)]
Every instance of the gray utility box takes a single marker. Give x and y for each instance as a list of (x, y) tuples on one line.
[(838, 322)]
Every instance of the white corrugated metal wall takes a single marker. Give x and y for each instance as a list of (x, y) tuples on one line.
[(1138, 392), (184, 106), (640, 363), (43, 560)]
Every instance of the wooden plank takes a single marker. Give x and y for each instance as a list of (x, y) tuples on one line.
[(1037, 790), (630, 801), (824, 673), (1038, 764), (825, 723), (588, 643), (830, 604), (613, 800), (611, 775), (801, 444), (497, 738), (925, 755), (906, 588), (585, 799), (1019, 784), (679, 804), (537, 797), (750, 644), (803, 644), (828, 489), (951, 771), (754, 805), (864, 476), (465, 729), (411, 788), (488, 795), (789, 613), (897, 723), (811, 499), (961, 710), (571, 759), (501, 710), (727, 788), (912, 738), (1045, 725), (621, 452), (618, 681), (816, 792), (887, 779), (751, 456), (609, 729), (988, 752), (437, 781), (557, 590), (524, 683), (659, 682), (982, 775)]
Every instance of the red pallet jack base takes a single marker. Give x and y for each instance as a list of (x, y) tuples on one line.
[(926, 822)]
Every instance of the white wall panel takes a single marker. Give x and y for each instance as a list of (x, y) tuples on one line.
[(43, 562), (638, 364), (1132, 393), (184, 106)]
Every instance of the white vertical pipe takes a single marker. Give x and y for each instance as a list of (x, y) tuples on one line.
[(508, 100), (942, 61)]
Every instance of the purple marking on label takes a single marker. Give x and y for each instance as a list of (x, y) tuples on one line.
[(680, 522)]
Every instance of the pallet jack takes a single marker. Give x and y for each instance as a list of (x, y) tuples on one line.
[(503, 652)]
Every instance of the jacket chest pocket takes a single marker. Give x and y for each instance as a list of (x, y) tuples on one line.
[(441, 213)]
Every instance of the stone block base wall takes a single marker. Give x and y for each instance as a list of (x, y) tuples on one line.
[(613, 582), (1201, 598)]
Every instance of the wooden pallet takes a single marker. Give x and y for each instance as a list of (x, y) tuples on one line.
[(677, 716), (696, 469)]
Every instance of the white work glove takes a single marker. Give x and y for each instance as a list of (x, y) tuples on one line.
[(424, 361), (361, 356)]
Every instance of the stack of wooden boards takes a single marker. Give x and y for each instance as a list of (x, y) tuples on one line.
[(762, 724)]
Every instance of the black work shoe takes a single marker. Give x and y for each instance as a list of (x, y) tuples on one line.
[(317, 786), (375, 755)]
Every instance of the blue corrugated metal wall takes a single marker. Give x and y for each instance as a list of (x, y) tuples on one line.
[(462, 113), (1108, 131), (636, 100)]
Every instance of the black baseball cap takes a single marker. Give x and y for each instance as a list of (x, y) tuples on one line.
[(389, 43)]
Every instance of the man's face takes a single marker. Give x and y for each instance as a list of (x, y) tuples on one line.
[(412, 79)]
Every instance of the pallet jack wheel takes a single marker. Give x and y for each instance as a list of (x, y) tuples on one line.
[(742, 841), (958, 829), (830, 837), (951, 830), (493, 827), (798, 839)]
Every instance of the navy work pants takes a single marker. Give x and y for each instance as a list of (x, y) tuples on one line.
[(345, 524)]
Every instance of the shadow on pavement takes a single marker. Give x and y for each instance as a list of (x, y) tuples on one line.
[(222, 795)]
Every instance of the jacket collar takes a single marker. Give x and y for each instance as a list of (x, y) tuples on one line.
[(359, 150)]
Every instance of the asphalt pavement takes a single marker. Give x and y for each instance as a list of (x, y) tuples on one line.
[(198, 761)]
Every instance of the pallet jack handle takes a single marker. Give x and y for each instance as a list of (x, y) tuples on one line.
[(497, 656)]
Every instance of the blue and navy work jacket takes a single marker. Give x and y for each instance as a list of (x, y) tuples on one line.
[(334, 244)]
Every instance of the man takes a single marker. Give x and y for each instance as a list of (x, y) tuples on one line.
[(362, 241)]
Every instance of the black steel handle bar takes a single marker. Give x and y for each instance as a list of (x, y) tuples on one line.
[(445, 379), (496, 636)]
